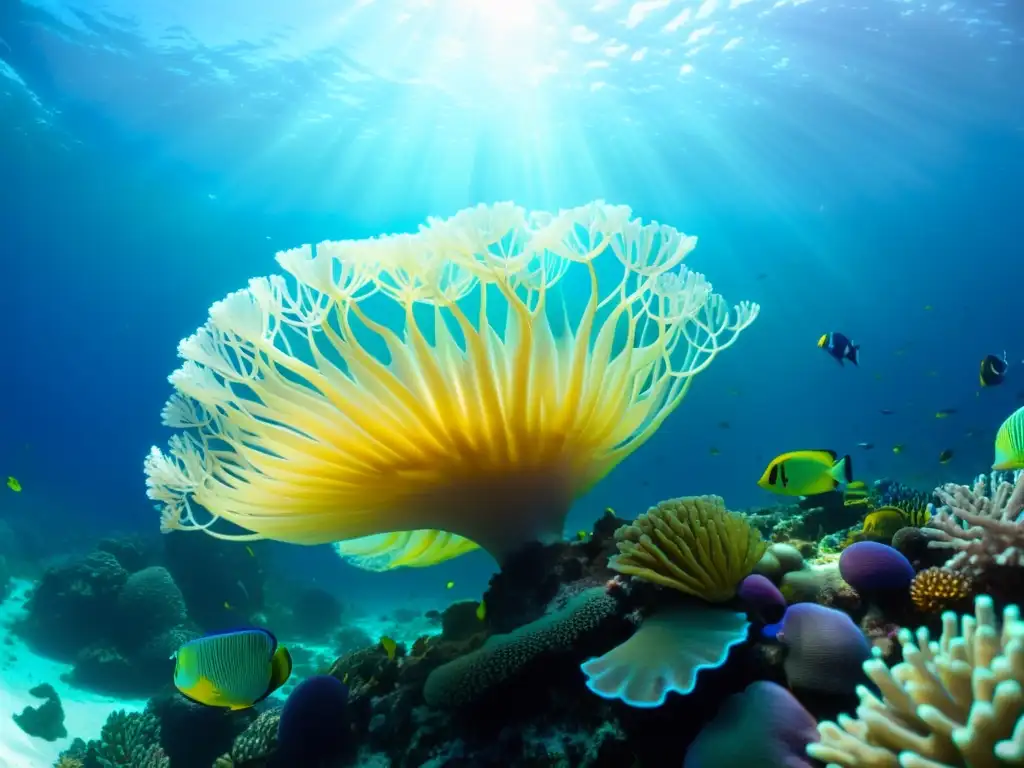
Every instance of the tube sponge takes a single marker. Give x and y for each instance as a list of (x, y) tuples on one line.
[(665, 654), (466, 679), (693, 544), (957, 701), (442, 380)]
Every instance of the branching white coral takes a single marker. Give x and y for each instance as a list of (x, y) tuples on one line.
[(954, 703), (473, 378), (983, 529)]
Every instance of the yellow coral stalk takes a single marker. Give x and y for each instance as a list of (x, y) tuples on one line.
[(473, 378)]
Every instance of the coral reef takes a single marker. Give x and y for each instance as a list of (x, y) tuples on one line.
[(572, 659), (119, 626), (72, 605)]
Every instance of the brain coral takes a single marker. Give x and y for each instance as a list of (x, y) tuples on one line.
[(151, 602), (469, 677), (692, 544), (437, 381)]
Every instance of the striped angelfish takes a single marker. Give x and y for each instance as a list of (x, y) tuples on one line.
[(233, 669)]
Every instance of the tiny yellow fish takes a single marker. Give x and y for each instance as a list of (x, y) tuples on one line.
[(714, 451), (481, 611), (856, 485), (227, 605), (450, 585), (14, 485), (879, 525), (946, 456), (806, 473), (389, 646), (1010, 442), (945, 413), (581, 535), (249, 550), (898, 449)]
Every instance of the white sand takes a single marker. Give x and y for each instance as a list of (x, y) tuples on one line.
[(21, 670)]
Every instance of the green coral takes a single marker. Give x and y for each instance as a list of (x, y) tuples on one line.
[(127, 740), (255, 744), (469, 677)]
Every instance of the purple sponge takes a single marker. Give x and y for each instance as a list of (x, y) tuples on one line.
[(763, 598), (869, 566), (825, 649), (763, 727)]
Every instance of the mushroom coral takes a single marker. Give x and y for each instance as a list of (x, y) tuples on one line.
[(473, 377)]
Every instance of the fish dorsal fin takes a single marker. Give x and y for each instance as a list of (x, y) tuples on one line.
[(280, 671)]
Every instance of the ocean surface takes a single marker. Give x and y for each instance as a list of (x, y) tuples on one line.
[(853, 166)]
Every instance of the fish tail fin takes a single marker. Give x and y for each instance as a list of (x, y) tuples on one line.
[(842, 471), (854, 354), (280, 669)]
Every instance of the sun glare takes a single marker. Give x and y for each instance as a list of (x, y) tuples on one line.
[(506, 15)]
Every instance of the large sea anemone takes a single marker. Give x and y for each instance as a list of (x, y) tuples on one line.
[(472, 378)]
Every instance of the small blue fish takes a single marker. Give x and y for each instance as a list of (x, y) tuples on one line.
[(233, 669), (840, 348), (771, 631)]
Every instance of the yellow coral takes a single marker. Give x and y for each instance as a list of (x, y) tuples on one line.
[(473, 378), (691, 544), (956, 702), (936, 589)]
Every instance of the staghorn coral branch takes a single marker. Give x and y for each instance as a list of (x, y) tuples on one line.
[(983, 529)]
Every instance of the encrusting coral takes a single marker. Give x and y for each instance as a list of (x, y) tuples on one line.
[(694, 545), (955, 702), (443, 380), (983, 530)]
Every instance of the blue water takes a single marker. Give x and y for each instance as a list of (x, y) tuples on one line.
[(851, 166)]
